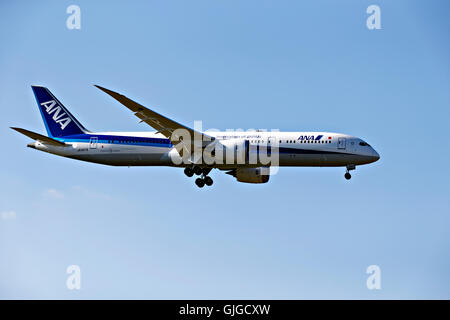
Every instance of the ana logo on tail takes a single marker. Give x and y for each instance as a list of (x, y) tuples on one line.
[(58, 117)]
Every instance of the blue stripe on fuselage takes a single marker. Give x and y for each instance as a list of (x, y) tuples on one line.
[(143, 141), (165, 143)]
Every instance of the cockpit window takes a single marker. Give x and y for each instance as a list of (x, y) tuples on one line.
[(362, 143)]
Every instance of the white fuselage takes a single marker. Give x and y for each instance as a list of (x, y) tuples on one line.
[(154, 149)]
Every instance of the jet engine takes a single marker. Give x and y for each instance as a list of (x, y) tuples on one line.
[(251, 175)]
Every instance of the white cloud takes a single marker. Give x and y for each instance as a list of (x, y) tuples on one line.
[(82, 191), (8, 215), (53, 193)]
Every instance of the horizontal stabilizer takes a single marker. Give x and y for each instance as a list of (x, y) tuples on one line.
[(40, 137)]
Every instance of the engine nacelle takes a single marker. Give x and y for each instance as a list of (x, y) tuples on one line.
[(252, 175)]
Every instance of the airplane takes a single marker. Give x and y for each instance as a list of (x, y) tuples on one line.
[(238, 153)]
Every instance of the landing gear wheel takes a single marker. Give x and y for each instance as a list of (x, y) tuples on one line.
[(208, 181), (200, 182), (197, 170), (347, 175), (188, 172)]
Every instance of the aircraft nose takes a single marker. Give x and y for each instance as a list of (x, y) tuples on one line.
[(375, 155)]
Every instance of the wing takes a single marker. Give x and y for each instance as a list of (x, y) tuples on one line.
[(162, 124)]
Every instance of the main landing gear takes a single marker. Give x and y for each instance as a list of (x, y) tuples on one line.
[(347, 175), (204, 179)]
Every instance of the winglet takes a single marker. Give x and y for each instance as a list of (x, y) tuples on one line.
[(110, 92), (130, 104)]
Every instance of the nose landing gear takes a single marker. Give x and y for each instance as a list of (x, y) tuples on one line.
[(347, 175)]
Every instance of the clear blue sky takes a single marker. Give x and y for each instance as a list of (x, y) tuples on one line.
[(288, 65)]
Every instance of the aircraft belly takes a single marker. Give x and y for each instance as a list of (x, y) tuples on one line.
[(122, 156), (301, 160), (148, 156), (126, 159), (320, 160)]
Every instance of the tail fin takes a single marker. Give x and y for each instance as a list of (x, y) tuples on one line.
[(57, 119)]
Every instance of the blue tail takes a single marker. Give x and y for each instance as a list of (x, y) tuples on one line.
[(57, 119)]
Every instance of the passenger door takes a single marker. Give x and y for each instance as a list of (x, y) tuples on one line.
[(93, 143), (341, 143)]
